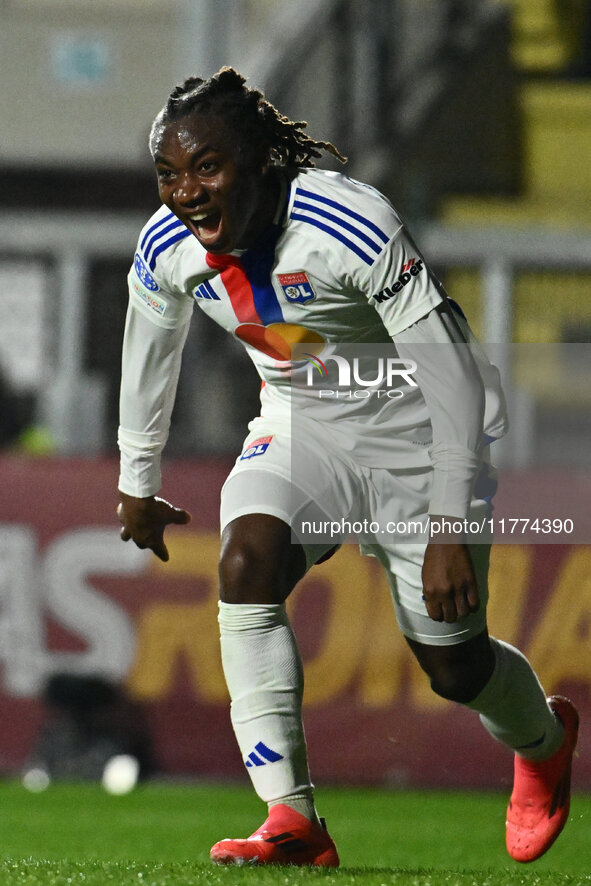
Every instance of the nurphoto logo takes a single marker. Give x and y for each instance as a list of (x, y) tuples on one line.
[(359, 378)]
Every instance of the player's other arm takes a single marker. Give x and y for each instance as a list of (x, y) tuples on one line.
[(144, 520), (452, 387), (151, 363), (412, 306)]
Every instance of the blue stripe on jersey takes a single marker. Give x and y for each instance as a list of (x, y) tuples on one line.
[(180, 236), (257, 264), (160, 235), (368, 259), (155, 227), (345, 210), (377, 247)]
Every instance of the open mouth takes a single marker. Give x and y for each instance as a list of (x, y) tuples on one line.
[(205, 225)]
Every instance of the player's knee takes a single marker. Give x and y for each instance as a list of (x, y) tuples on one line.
[(457, 672), (246, 576), (457, 682), (450, 687), (238, 571)]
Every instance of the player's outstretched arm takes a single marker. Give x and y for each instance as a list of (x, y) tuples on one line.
[(143, 520)]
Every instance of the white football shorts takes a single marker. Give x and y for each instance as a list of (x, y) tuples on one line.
[(307, 484)]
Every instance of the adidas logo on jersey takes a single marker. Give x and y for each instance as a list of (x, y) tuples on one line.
[(261, 756), (205, 290), (411, 269)]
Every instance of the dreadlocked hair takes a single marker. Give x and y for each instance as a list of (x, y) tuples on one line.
[(258, 125)]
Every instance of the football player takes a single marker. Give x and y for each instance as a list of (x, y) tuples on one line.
[(285, 256)]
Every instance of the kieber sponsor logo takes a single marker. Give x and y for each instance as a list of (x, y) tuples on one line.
[(411, 269), (144, 274), (296, 287), (257, 447)]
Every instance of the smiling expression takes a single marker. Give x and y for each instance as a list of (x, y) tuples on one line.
[(225, 198)]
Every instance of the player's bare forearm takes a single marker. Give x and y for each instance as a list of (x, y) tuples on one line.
[(143, 521), (449, 583)]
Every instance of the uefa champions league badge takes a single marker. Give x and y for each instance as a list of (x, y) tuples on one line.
[(143, 273), (296, 287), (257, 447)]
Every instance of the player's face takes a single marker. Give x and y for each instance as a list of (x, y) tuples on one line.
[(203, 177)]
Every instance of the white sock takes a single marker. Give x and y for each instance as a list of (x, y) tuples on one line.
[(265, 680), (513, 707)]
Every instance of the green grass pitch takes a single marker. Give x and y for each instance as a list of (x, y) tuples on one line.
[(160, 835)]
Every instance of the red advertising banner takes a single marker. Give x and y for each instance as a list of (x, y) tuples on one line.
[(75, 599)]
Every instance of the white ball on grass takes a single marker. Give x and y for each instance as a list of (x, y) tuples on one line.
[(36, 780), (120, 774)]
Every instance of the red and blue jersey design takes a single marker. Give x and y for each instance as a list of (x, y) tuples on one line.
[(247, 280), (259, 305), (315, 277)]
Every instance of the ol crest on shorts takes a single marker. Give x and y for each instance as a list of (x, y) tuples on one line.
[(296, 287), (257, 447)]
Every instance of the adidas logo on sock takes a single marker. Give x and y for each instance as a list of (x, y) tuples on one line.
[(261, 756)]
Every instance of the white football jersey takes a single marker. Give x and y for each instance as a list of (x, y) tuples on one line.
[(336, 267)]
